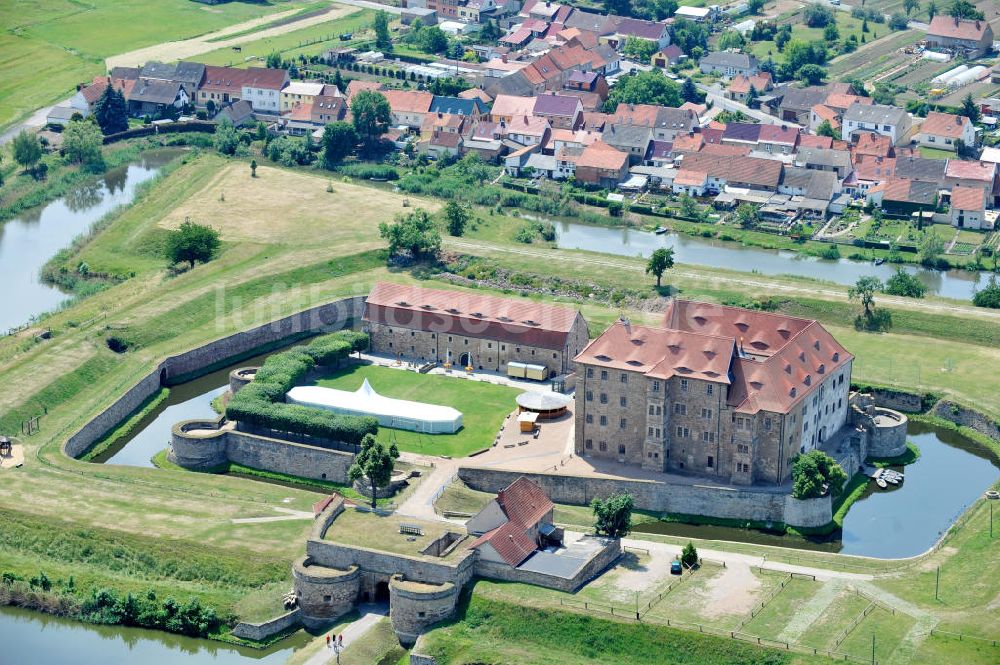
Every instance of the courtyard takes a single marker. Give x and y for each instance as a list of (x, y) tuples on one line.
[(484, 406)]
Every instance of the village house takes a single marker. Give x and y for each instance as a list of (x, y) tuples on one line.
[(651, 31), (409, 107), (665, 122), (944, 131), (468, 107), (221, 85), (238, 113), (819, 159), (514, 525), (968, 174), (303, 92), (968, 208), (902, 198), (795, 104), (777, 139), (633, 140), (889, 121), (506, 107), (601, 165), (975, 37), (729, 64), (562, 111), (668, 56), (153, 97), (587, 82), (722, 170), (465, 329), (740, 86), (527, 130), (262, 88), (716, 391)]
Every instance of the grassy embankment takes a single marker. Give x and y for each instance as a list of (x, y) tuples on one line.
[(69, 41), (272, 264)]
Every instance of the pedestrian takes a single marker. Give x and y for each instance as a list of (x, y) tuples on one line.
[(340, 639), (327, 641)]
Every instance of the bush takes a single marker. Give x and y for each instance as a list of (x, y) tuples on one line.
[(878, 320), (525, 234), (370, 171), (689, 555), (831, 252), (261, 403)]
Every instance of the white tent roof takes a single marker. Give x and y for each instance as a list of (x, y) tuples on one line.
[(365, 401)]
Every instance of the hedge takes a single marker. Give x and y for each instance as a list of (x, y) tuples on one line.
[(261, 402), (168, 128)]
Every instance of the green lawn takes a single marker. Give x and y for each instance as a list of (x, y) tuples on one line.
[(773, 618), (844, 608), (483, 405), (888, 630), (48, 46), (847, 24), (936, 153)]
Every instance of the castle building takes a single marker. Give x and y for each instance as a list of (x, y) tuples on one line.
[(470, 329), (717, 391)]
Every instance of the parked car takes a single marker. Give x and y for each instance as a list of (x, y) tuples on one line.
[(675, 567)]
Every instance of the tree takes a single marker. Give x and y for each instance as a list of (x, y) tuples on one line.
[(964, 9), (748, 215), (690, 92), (660, 261), (27, 150), (82, 141), (651, 87), (690, 37), (226, 139), (826, 129), (689, 207), (753, 97), (884, 94), (811, 74), (639, 49), (371, 116), (970, 110), (932, 10), (111, 111), (689, 555), (929, 249), (414, 233), (731, 39), (374, 462), (432, 39), (910, 6), (989, 295), (831, 33), (383, 41), (456, 217), (619, 7), (864, 290), (339, 140), (192, 242), (755, 6), (818, 16), (613, 516), (898, 21), (814, 474), (273, 60), (904, 284)]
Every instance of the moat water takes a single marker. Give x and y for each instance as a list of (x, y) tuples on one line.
[(33, 237), (902, 521), (32, 637), (957, 284)]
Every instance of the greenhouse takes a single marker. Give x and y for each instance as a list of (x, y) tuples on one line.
[(395, 413)]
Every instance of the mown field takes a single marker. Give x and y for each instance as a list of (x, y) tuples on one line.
[(49, 46)]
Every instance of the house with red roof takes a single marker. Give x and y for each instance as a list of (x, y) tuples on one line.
[(968, 208), (715, 391), (514, 525), (601, 165), (973, 36), (945, 130)]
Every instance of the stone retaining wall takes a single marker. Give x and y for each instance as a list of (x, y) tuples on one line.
[(897, 399), (415, 606), (501, 571), (262, 631), (325, 553), (324, 593), (190, 364), (809, 512), (240, 377), (648, 495), (966, 417)]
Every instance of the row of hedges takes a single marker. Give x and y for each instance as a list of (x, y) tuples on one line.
[(167, 128), (261, 403)]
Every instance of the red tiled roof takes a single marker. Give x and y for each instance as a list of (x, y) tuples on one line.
[(690, 177), (409, 101), (984, 171), (94, 91), (510, 541), (600, 155), (811, 141), (870, 143), (356, 86), (511, 105), (471, 315), (944, 124), (524, 502), (968, 198), (749, 170), (778, 134), (955, 28)]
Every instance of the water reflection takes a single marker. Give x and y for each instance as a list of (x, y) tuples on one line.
[(714, 253)]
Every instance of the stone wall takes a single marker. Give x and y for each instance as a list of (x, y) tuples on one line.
[(240, 377), (808, 512), (648, 495), (965, 417), (202, 451), (602, 560), (325, 553), (422, 659), (324, 593), (414, 606), (897, 399), (175, 369), (262, 631)]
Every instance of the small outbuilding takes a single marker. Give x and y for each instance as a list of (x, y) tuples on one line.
[(547, 405)]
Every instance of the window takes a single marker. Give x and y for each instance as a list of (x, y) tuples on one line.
[(680, 409), (659, 411), (590, 418), (650, 432), (711, 462), (489, 345), (708, 437), (412, 334), (604, 421), (604, 398), (709, 389), (805, 426), (603, 445), (683, 433), (590, 372), (650, 409), (706, 413), (604, 375), (767, 424), (622, 424), (742, 448), (656, 386), (684, 385), (621, 448), (589, 444), (590, 396), (623, 400), (449, 338), (327, 599), (658, 433), (624, 377)]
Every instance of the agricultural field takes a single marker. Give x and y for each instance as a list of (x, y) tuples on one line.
[(875, 57), (846, 24), (69, 41), (483, 405)]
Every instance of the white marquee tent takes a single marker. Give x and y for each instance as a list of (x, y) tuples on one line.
[(396, 413)]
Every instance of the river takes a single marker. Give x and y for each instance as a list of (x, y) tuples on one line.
[(957, 284), (33, 637), (905, 521), (33, 237)]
